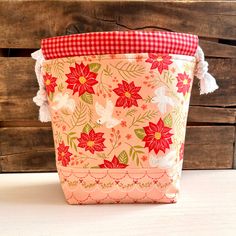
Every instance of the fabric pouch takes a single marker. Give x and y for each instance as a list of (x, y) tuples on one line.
[(118, 103)]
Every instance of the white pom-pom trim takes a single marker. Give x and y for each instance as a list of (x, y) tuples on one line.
[(207, 81), (41, 98)]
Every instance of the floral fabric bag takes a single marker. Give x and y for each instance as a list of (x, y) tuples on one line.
[(118, 102)]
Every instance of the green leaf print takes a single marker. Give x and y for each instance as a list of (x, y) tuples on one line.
[(102, 87), (87, 128), (87, 97), (50, 96), (58, 137), (47, 68), (142, 117), (123, 157), (168, 77), (168, 120), (148, 99), (94, 67), (58, 67), (79, 116), (131, 112), (134, 153), (71, 140), (129, 70), (101, 155), (60, 87), (70, 60), (107, 71), (140, 133), (94, 167)]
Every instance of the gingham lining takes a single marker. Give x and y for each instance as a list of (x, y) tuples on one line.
[(118, 42)]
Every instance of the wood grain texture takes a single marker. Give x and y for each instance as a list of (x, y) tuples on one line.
[(205, 156), (201, 114), (16, 140), (39, 19), (206, 149), (214, 135), (215, 49), (31, 148), (224, 70), (32, 161)]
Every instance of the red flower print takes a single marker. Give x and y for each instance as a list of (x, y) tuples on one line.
[(128, 136), (181, 152), (62, 154), (113, 164), (159, 61), (118, 113), (183, 83), (128, 94), (50, 83), (144, 106), (139, 58), (144, 158), (157, 136), (92, 141), (173, 70), (81, 79), (113, 56), (123, 123)]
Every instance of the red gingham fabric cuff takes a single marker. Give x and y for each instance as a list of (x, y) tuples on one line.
[(117, 42)]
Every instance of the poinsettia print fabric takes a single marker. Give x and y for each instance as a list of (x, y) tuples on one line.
[(128, 94), (63, 154), (120, 111), (81, 79), (50, 83), (159, 61)]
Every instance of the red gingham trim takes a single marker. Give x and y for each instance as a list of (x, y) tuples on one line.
[(116, 42)]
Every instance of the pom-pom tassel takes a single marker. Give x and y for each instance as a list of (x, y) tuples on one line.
[(41, 98), (208, 84), (207, 81), (44, 113)]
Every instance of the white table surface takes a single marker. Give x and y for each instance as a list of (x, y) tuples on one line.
[(33, 204)]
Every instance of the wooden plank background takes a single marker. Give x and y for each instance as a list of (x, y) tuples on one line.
[(27, 145)]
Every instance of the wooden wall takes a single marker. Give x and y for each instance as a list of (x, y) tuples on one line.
[(26, 145)]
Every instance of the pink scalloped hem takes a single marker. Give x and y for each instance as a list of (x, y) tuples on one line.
[(96, 186)]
